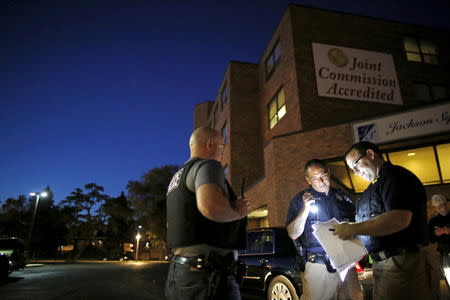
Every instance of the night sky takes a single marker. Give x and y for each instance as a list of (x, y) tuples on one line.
[(103, 91)]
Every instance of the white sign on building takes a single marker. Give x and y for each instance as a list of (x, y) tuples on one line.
[(355, 74), (411, 124)]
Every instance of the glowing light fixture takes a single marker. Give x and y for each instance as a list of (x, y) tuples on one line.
[(37, 195), (138, 237)]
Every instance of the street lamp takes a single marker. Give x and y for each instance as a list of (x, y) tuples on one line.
[(37, 195), (138, 237)]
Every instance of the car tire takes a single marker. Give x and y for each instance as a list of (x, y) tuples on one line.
[(281, 288)]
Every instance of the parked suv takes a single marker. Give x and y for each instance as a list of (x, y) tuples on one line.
[(272, 269), (13, 254)]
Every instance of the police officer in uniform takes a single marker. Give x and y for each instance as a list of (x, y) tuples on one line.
[(391, 223), (206, 223), (320, 280)]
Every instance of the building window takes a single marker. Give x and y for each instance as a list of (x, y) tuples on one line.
[(339, 171), (431, 164), (225, 133), (272, 60), (420, 50), (420, 161), (277, 108), (224, 94), (443, 153), (428, 93), (258, 218)]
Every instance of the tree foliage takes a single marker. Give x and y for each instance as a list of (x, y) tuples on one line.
[(148, 198), (88, 214), (83, 201), (117, 217), (14, 217)]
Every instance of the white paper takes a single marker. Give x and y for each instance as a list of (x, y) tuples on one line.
[(343, 254)]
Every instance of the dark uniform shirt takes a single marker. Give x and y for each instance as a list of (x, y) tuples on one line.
[(394, 188), (334, 205), (443, 240)]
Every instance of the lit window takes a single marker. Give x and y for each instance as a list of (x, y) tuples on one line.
[(224, 94), (225, 133), (339, 171), (422, 163), (277, 108), (420, 50), (259, 213), (443, 152), (427, 93), (273, 58)]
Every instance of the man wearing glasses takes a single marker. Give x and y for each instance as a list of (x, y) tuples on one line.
[(320, 203), (392, 223)]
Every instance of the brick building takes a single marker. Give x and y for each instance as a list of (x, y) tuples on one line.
[(326, 80)]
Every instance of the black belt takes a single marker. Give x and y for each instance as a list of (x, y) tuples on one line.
[(319, 258), (385, 254), (316, 257), (195, 262)]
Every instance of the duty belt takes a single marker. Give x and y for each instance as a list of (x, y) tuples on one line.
[(210, 262), (195, 262), (385, 254), (319, 258)]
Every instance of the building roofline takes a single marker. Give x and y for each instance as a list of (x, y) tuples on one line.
[(242, 62), (366, 16)]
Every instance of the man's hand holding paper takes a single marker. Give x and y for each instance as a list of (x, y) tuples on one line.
[(344, 231), (342, 253)]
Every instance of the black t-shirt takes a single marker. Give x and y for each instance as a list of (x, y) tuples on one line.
[(395, 188)]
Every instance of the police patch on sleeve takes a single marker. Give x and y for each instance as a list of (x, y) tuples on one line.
[(175, 181)]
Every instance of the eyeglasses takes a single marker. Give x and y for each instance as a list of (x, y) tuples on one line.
[(356, 162)]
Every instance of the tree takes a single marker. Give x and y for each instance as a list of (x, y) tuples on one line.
[(14, 215), (148, 198), (117, 216), (84, 201), (80, 204)]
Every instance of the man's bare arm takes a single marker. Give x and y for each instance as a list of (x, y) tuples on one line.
[(385, 224), (214, 205), (297, 226)]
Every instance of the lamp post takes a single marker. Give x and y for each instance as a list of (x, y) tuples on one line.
[(37, 195), (138, 237)]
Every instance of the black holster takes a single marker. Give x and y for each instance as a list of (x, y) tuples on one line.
[(301, 256), (220, 268), (321, 259)]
